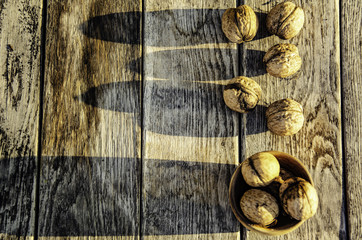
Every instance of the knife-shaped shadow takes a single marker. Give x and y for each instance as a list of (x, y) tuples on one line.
[(176, 27), (99, 196), (191, 109), (199, 64)]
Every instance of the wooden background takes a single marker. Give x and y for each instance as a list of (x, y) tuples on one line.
[(113, 126)]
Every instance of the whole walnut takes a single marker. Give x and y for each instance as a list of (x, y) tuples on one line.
[(240, 24), (282, 60), (259, 206), (285, 20), (299, 198), (285, 117), (242, 94), (260, 169)]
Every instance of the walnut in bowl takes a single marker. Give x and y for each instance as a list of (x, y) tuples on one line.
[(284, 223)]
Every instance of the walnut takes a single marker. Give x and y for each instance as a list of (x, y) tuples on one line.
[(285, 20), (260, 169), (242, 94), (285, 117), (240, 24), (259, 206), (299, 198), (282, 60)]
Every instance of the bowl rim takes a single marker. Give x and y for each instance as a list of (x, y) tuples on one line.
[(258, 228)]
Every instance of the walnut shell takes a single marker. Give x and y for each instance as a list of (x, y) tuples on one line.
[(285, 117), (282, 60), (285, 20), (299, 198), (260, 169), (242, 94), (259, 206), (240, 24)]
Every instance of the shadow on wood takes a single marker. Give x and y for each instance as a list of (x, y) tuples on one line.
[(199, 64), (95, 196), (256, 121), (89, 196), (185, 26), (253, 64), (190, 109), (187, 198), (262, 31), (17, 186)]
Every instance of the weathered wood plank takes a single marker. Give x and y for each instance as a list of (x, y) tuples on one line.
[(90, 176), (351, 81), (20, 31), (190, 136), (317, 88)]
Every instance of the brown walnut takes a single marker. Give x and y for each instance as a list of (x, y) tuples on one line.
[(260, 169), (242, 94), (285, 117), (240, 24), (285, 20), (299, 198), (259, 206), (282, 60)]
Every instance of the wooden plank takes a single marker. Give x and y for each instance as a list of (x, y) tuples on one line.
[(190, 136), (90, 175), (20, 30), (352, 79), (317, 88)]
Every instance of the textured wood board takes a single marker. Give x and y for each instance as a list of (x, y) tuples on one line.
[(20, 31), (351, 20), (89, 184), (190, 136), (317, 88)]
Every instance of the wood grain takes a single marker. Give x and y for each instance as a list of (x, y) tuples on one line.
[(351, 20), (20, 30), (317, 88), (90, 175), (190, 136)]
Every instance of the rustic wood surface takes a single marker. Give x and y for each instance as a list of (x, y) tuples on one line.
[(90, 169), (190, 136), (352, 83), (136, 141), (317, 88), (20, 40)]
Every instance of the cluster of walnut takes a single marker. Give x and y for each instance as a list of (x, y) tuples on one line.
[(285, 117), (296, 196)]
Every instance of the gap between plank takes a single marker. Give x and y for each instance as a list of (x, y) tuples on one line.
[(40, 122), (344, 164), (242, 117), (142, 85)]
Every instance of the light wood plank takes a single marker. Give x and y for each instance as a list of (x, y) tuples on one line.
[(352, 80), (317, 88), (90, 175), (191, 137), (20, 31)]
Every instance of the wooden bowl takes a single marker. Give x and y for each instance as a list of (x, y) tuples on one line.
[(238, 186)]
